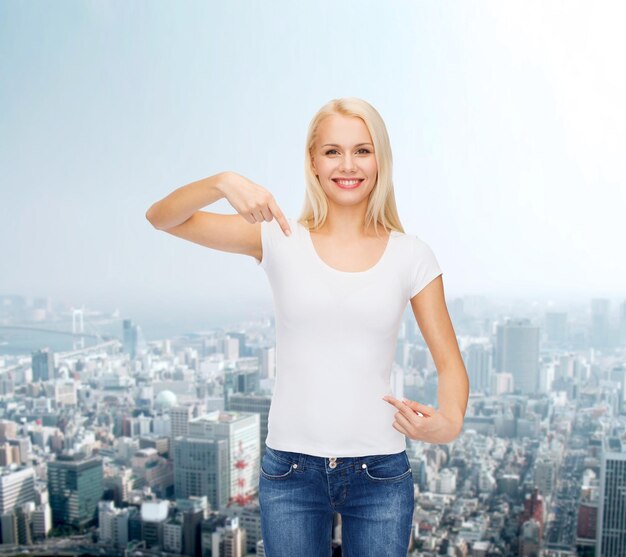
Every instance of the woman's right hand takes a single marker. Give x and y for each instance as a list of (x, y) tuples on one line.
[(252, 201)]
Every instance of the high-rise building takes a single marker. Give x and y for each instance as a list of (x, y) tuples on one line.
[(153, 517), (8, 528), (192, 529), (43, 365), (477, 359), (618, 376), (600, 328), (545, 474), (113, 524), (258, 404), (17, 487), (230, 348), (621, 323), (75, 485), (130, 338), (244, 350), (24, 523), (42, 520), (221, 448), (180, 416), (267, 362), (556, 327), (201, 467), (611, 531), (242, 381), (517, 353), (173, 534)]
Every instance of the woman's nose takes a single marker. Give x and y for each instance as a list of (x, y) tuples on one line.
[(347, 164)]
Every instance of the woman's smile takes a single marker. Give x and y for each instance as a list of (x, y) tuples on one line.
[(348, 184)]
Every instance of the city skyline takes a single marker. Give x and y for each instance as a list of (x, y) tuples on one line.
[(159, 444), (158, 398)]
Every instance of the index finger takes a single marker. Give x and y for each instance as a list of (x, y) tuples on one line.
[(280, 217), (398, 404), (401, 406)]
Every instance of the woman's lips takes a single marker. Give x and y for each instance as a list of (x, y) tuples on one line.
[(348, 184)]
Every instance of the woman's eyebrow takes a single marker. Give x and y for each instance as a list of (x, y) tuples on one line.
[(335, 145)]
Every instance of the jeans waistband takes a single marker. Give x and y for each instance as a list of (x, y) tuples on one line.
[(321, 463)]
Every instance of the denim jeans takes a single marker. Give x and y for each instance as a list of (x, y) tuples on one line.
[(299, 494)]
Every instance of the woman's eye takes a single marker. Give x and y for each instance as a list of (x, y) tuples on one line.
[(335, 150)]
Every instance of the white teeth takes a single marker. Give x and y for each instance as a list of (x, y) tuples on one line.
[(348, 182)]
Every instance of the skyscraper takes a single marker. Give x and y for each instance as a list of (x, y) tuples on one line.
[(218, 458), (75, 485), (201, 467), (130, 338), (17, 487), (600, 327), (611, 531), (180, 416), (556, 327), (478, 364), (517, 353), (43, 365)]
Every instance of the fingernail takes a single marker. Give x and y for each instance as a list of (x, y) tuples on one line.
[(288, 232)]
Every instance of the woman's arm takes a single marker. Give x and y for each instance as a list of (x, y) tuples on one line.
[(431, 314), (184, 201), (179, 214), (444, 424)]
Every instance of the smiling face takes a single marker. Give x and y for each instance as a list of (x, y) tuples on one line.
[(343, 159)]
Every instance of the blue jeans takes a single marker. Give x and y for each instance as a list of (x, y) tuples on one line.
[(299, 494)]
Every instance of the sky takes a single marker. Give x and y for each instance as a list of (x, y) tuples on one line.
[(507, 123)]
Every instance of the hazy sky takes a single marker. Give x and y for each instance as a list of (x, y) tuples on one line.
[(507, 123)]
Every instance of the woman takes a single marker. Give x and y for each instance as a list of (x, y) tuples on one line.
[(341, 275)]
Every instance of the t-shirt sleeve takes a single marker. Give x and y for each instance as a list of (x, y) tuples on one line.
[(268, 229), (425, 266)]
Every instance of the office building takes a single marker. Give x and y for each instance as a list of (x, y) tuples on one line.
[(611, 531), (43, 365), (17, 487), (75, 485), (517, 353)]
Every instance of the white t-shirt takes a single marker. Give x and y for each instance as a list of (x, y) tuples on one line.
[(336, 334)]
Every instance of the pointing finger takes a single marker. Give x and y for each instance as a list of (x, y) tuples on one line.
[(280, 217), (399, 405)]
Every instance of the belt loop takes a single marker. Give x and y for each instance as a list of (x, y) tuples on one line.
[(301, 461)]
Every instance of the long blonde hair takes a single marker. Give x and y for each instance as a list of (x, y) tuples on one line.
[(381, 208)]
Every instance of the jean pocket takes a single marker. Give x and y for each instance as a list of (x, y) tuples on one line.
[(274, 467), (391, 468)]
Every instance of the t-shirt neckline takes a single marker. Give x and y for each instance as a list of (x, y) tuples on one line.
[(323, 263)]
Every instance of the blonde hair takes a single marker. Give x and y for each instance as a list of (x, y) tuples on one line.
[(381, 208)]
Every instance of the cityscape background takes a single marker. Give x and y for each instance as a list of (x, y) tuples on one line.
[(136, 369)]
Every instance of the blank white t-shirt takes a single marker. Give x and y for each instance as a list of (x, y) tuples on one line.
[(336, 334)]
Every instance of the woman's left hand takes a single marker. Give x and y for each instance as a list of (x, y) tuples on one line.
[(421, 422)]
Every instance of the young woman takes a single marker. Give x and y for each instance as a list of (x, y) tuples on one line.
[(342, 275)]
